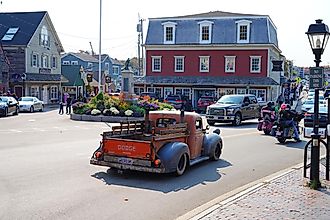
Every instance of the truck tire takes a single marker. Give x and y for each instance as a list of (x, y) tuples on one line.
[(182, 165), (212, 123), (216, 152), (237, 119)]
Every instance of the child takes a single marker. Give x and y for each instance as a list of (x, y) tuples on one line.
[(61, 108)]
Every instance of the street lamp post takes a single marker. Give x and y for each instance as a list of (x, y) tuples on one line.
[(318, 35)]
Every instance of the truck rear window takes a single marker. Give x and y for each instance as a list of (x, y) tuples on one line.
[(164, 122)]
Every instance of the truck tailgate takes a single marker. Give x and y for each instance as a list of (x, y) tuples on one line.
[(129, 148)]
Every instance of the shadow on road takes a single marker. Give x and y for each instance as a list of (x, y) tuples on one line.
[(293, 144), (244, 125), (197, 174)]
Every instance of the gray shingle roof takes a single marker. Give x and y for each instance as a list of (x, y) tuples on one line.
[(27, 22), (85, 57), (211, 80), (37, 77), (212, 14)]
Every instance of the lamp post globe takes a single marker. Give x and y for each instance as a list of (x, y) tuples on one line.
[(318, 36)]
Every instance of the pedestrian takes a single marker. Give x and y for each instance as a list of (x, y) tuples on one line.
[(61, 108), (68, 105)]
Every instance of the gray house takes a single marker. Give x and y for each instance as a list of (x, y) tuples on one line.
[(90, 64), (32, 46)]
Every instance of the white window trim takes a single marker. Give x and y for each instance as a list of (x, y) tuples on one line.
[(117, 70), (35, 92), (74, 62), (160, 63), (203, 24), (168, 89), (243, 23), (255, 57), (200, 64), (65, 62), (53, 94), (182, 89), (44, 61), (175, 64), (172, 25), (234, 68)]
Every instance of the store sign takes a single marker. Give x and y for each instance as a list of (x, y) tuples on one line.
[(316, 77), (277, 65)]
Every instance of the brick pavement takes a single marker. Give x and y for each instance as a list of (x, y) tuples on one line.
[(285, 197)]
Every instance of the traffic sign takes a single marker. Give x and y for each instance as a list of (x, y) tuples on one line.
[(316, 77)]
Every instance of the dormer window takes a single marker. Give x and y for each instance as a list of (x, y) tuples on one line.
[(205, 32), (243, 31), (169, 32)]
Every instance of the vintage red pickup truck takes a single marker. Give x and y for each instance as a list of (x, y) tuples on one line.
[(165, 142)]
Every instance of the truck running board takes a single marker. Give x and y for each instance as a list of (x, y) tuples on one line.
[(198, 160)]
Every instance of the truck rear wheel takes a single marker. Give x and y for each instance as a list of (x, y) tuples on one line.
[(211, 123), (216, 152), (182, 165)]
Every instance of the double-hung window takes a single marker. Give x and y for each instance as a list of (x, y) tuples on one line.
[(204, 64), (255, 64), (230, 64), (179, 63), (156, 63), (169, 32), (53, 92), (45, 61)]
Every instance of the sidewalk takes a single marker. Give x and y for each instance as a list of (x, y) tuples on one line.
[(283, 197)]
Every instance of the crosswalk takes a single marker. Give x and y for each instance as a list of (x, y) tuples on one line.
[(54, 129)]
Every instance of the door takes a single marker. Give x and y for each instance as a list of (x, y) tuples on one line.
[(254, 107), (18, 90), (246, 109), (196, 143)]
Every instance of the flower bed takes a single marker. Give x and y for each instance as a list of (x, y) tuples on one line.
[(106, 108)]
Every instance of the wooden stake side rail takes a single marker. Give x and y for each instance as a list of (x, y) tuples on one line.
[(131, 127), (137, 127)]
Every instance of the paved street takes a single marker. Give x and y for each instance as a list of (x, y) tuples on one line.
[(45, 172)]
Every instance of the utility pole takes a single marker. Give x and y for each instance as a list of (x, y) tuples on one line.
[(100, 45), (139, 29)]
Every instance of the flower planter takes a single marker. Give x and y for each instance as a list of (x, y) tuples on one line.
[(75, 117), (102, 118)]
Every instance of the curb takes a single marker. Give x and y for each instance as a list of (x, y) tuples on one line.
[(236, 194)]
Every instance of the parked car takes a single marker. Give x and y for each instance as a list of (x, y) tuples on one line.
[(323, 121), (309, 104), (8, 106), (177, 101), (203, 102), (30, 104)]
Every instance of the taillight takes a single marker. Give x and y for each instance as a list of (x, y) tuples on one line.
[(157, 162), (307, 114), (98, 154), (178, 101)]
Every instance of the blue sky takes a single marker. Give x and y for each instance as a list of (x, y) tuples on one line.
[(77, 21)]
